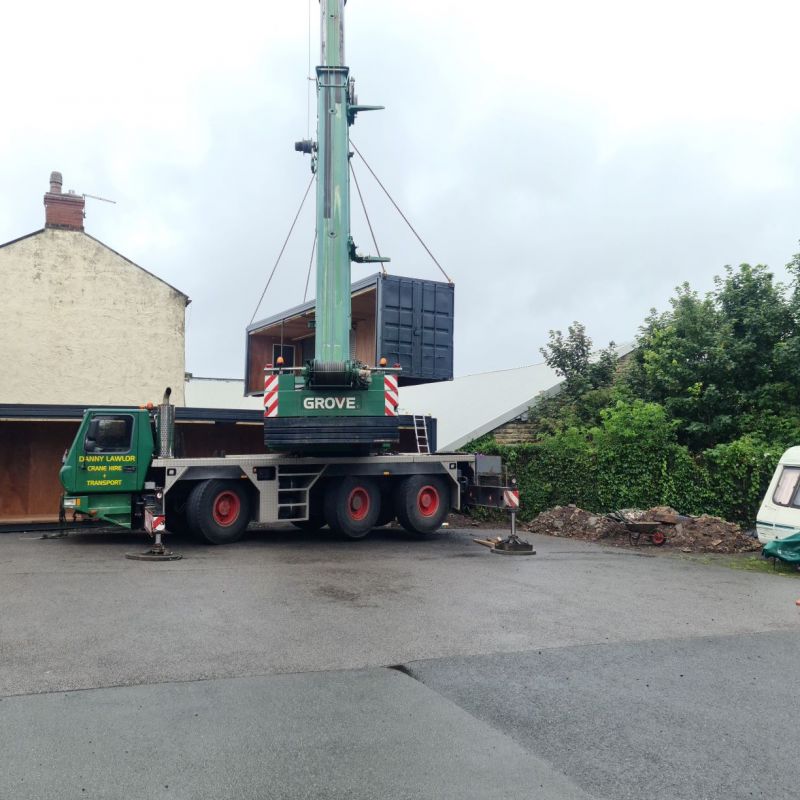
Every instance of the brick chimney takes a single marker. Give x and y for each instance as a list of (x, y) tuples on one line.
[(64, 211)]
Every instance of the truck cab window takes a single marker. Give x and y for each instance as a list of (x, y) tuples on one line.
[(109, 434), (785, 492)]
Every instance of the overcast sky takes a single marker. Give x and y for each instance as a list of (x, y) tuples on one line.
[(563, 160)]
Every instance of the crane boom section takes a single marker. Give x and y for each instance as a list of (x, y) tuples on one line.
[(333, 315)]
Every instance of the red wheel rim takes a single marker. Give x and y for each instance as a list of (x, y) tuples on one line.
[(358, 503), (226, 508), (428, 501), (658, 538)]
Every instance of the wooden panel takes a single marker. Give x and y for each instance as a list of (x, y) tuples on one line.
[(30, 458), (197, 440), (260, 356), (365, 341), (296, 331)]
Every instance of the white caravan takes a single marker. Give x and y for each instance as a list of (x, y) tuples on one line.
[(779, 515)]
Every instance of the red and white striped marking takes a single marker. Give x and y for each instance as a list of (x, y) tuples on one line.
[(511, 498), (154, 523), (270, 395), (390, 394)]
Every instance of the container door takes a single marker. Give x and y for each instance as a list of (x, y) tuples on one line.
[(434, 325), (396, 339), (416, 327)]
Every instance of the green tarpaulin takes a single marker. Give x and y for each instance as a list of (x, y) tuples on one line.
[(787, 549)]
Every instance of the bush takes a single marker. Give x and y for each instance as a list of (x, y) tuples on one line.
[(738, 475), (633, 460)]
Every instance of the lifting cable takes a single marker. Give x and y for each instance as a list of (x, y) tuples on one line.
[(405, 218), (310, 264), (369, 223), (286, 241)]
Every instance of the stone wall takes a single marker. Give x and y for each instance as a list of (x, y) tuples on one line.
[(81, 324)]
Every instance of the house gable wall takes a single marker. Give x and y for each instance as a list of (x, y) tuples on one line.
[(81, 324)]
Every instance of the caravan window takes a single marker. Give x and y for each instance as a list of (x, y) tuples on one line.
[(785, 491)]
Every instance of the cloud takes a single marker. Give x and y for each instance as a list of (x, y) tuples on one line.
[(563, 161)]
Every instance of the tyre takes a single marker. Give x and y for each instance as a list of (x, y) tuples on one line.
[(218, 511), (352, 506), (422, 502)]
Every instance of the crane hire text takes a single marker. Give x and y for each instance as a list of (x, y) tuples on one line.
[(107, 459)]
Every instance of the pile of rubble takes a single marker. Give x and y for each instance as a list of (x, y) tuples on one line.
[(703, 534), (575, 523)]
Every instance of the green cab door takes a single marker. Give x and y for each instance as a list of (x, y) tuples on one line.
[(109, 457), (108, 461)]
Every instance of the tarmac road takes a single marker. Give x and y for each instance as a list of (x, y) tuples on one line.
[(262, 670)]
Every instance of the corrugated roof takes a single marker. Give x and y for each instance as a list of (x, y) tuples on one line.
[(473, 405)]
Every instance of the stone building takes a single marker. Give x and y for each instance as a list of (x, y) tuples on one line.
[(82, 324)]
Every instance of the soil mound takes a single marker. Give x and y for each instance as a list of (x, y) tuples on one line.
[(703, 534)]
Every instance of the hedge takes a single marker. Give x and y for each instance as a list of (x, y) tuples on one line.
[(633, 460)]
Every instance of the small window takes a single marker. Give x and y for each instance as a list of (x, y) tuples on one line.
[(285, 350), (109, 434), (787, 490)]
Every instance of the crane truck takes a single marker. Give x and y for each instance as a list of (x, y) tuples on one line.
[(336, 453)]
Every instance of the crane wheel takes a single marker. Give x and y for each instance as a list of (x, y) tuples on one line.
[(422, 503), (352, 506), (218, 511)]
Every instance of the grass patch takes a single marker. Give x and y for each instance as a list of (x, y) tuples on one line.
[(747, 562), (751, 563)]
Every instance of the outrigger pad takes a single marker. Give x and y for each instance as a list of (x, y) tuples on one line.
[(329, 433), (510, 546), (149, 555)]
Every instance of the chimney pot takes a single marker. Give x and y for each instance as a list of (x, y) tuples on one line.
[(63, 210)]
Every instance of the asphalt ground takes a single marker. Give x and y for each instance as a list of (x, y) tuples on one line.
[(295, 665)]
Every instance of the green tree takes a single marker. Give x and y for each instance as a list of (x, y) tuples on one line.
[(571, 358), (697, 417), (722, 365)]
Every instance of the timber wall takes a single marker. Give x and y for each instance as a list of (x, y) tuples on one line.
[(31, 452)]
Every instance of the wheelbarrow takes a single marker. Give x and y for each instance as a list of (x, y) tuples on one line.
[(637, 529)]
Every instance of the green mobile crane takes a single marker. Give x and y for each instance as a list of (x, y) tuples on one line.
[(332, 427)]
